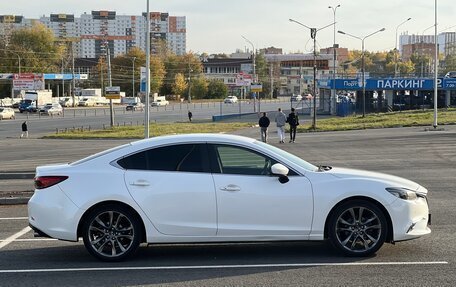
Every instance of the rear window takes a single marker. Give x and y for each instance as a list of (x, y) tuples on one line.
[(185, 158)]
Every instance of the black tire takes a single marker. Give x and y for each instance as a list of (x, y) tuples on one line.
[(357, 228), (111, 233)]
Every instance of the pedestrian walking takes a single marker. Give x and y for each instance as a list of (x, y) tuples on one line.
[(264, 124), (280, 120), (24, 130), (293, 121), (190, 116)]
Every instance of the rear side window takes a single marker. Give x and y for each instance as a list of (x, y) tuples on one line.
[(185, 158)]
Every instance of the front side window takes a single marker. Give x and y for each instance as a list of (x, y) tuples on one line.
[(237, 160), (184, 158)]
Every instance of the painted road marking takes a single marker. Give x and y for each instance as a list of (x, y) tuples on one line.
[(140, 268), (13, 218), (14, 237), (32, 239)]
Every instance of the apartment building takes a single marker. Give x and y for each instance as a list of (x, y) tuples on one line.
[(92, 33)]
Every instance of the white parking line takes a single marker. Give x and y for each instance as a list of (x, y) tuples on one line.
[(32, 239), (14, 237), (13, 218), (140, 268)]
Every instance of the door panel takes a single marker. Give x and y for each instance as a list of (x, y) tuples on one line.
[(177, 203), (261, 205)]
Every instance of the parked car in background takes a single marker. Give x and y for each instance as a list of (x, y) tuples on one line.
[(451, 74), (51, 109), (230, 100), (135, 107), (6, 113), (159, 103), (296, 98), (198, 188)]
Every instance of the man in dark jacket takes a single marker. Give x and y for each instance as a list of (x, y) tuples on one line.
[(293, 121), (264, 124), (190, 116)]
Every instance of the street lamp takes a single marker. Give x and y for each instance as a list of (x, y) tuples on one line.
[(334, 9), (133, 77), (362, 62), (146, 119), (395, 47), (436, 66), (313, 35), (254, 69)]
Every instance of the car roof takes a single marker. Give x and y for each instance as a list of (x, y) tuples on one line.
[(199, 137)]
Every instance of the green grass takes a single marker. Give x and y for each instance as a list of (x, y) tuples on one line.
[(134, 132), (382, 120)]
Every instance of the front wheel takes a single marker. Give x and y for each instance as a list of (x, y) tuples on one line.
[(357, 228), (112, 233)]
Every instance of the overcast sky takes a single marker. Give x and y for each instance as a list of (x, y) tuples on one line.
[(216, 26)]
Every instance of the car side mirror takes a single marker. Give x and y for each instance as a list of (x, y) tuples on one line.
[(281, 171)]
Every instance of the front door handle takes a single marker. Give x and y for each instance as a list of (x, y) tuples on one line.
[(231, 188), (140, 182)]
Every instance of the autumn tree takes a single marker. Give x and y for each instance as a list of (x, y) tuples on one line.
[(217, 90), (180, 85), (199, 88)]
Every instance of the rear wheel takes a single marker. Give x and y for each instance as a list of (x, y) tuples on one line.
[(112, 233), (357, 228)]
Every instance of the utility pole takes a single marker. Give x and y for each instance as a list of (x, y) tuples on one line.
[(146, 120), (133, 78), (111, 107), (189, 82), (272, 81), (73, 82)]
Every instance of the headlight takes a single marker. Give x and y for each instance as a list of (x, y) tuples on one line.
[(403, 193)]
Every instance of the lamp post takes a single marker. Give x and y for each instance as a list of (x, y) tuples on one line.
[(395, 46), (362, 62), (254, 70), (313, 35), (133, 77), (146, 119), (334, 9), (436, 67)]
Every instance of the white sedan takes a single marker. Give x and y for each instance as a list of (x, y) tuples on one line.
[(230, 100), (219, 188)]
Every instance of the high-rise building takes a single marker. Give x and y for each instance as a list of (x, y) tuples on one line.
[(93, 33)]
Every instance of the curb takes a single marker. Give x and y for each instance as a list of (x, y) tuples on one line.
[(14, 200)]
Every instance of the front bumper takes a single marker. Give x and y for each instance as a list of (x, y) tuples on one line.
[(411, 218)]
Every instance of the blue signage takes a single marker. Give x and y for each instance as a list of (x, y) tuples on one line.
[(65, 76), (389, 84)]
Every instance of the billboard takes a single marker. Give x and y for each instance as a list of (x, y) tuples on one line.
[(28, 81)]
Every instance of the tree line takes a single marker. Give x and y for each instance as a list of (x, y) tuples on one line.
[(36, 50)]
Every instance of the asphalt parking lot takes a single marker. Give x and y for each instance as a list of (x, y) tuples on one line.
[(428, 158)]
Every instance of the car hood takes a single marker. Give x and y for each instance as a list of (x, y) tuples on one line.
[(391, 180)]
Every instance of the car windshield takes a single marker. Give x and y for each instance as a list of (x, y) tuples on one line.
[(1, 110), (291, 157)]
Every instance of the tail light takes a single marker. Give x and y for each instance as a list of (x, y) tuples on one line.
[(48, 181)]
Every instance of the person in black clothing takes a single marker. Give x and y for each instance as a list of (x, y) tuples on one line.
[(190, 115), (293, 121), (264, 124), (24, 130)]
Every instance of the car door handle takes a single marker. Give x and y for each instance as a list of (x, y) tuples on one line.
[(231, 188), (140, 183)]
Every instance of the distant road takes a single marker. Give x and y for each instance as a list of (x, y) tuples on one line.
[(96, 118)]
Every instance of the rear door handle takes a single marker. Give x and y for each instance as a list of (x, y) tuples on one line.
[(140, 182), (231, 188)]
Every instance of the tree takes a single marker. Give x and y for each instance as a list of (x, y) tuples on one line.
[(450, 63), (199, 88), (37, 48), (217, 90), (179, 85), (183, 64)]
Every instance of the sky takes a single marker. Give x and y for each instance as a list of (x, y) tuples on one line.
[(217, 26)]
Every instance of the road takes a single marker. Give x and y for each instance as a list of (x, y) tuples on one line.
[(426, 157), (97, 118)]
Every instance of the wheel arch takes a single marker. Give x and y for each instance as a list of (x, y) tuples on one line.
[(88, 211), (389, 235)]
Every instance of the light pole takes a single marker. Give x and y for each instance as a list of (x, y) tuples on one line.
[(436, 66), (395, 47), (133, 77), (333, 102), (254, 70), (313, 35), (362, 62), (146, 119)]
